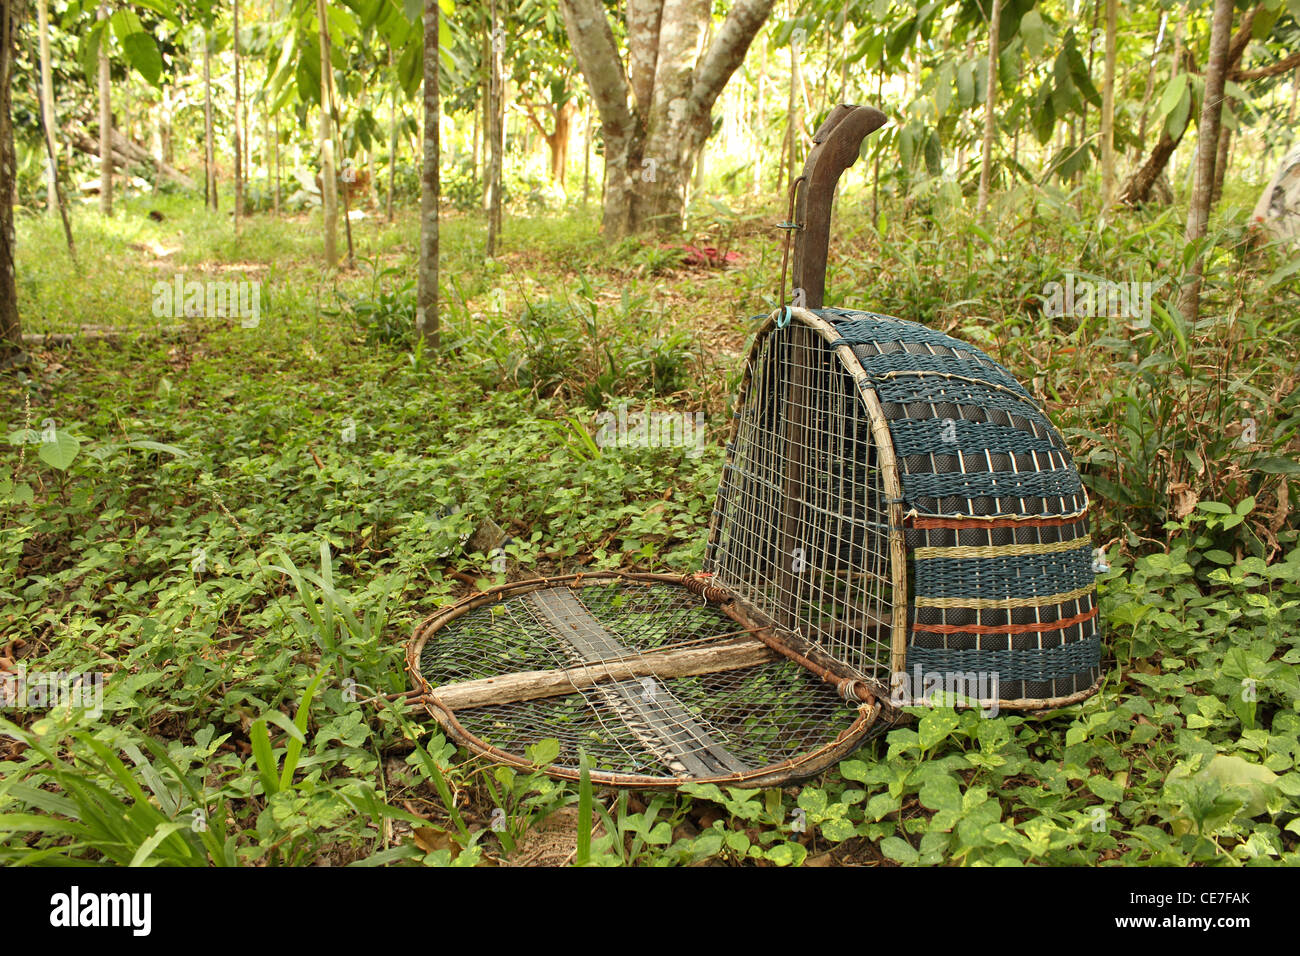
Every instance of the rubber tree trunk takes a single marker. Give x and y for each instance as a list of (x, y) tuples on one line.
[(275, 161), (11, 329), (209, 147), (1221, 161), (105, 121), (494, 130), (760, 122), (557, 143), (586, 156), (392, 156), (1198, 211), (655, 110), (235, 120), (47, 107), (1108, 108), (426, 315), (1138, 188), (990, 109), (1151, 76), (329, 181), (798, 112), (166, 141)]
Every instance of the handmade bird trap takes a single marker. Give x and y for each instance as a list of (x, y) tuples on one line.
[(897, 518)]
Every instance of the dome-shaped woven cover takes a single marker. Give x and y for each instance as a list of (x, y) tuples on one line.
[(987, 507)]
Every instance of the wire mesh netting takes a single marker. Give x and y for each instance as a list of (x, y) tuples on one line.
[(619, 655), (802, 526)]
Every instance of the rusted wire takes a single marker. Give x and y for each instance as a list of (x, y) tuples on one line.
[(788, 226)]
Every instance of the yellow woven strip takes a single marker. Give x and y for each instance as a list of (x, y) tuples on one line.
[(982, 604), (1003, 550)]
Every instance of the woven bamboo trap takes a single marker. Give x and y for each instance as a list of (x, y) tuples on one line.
[(896, 517)]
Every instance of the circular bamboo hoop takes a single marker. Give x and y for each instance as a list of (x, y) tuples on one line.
[(868, 711)]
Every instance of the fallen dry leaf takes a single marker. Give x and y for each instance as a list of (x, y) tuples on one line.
[(431, 840), (1185, 500), (1278, 518)]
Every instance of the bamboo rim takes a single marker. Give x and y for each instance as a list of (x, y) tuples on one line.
[(869, 710), (888, 466)]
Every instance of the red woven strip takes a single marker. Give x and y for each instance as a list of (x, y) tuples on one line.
[(1004, 628), (966, 524)]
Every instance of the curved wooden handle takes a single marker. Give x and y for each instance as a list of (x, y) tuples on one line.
[(835, 148)]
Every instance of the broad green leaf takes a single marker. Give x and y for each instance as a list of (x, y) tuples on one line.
[(935, 726), (941, 793), (838, 829), (1034, 31), (1277, 466), (1174, 91), (1107, 789), (899, 850), (61, 452), (142, 53), (965, 86)]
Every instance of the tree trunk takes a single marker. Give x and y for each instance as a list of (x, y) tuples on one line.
[(125, 153), (586, 156), (785, 169), (558, 142), (1083, 116), (990, 112), (1207, 134), (698, 187), (798, 108), (426, 320), (105, 120), (1221, 160), (11, 329), (494, 130), (329, 181), (1295, 89), (475, 135), (875, 165), (392, 157), (47, 106), (759, 121), (275, 161), (1108, 107), (269, 148), (655, 114), (235, 120), (1138, 188), (167, 153), (209, 149), (1151, 75)]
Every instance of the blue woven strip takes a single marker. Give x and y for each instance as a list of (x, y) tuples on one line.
[(835, 315), (1018, 576), (1063, 482), (876, 365), (944, 436), (1031, 664), (926, 388), (869, 327)]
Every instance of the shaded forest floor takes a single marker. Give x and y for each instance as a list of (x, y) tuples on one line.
[(229, 507)]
